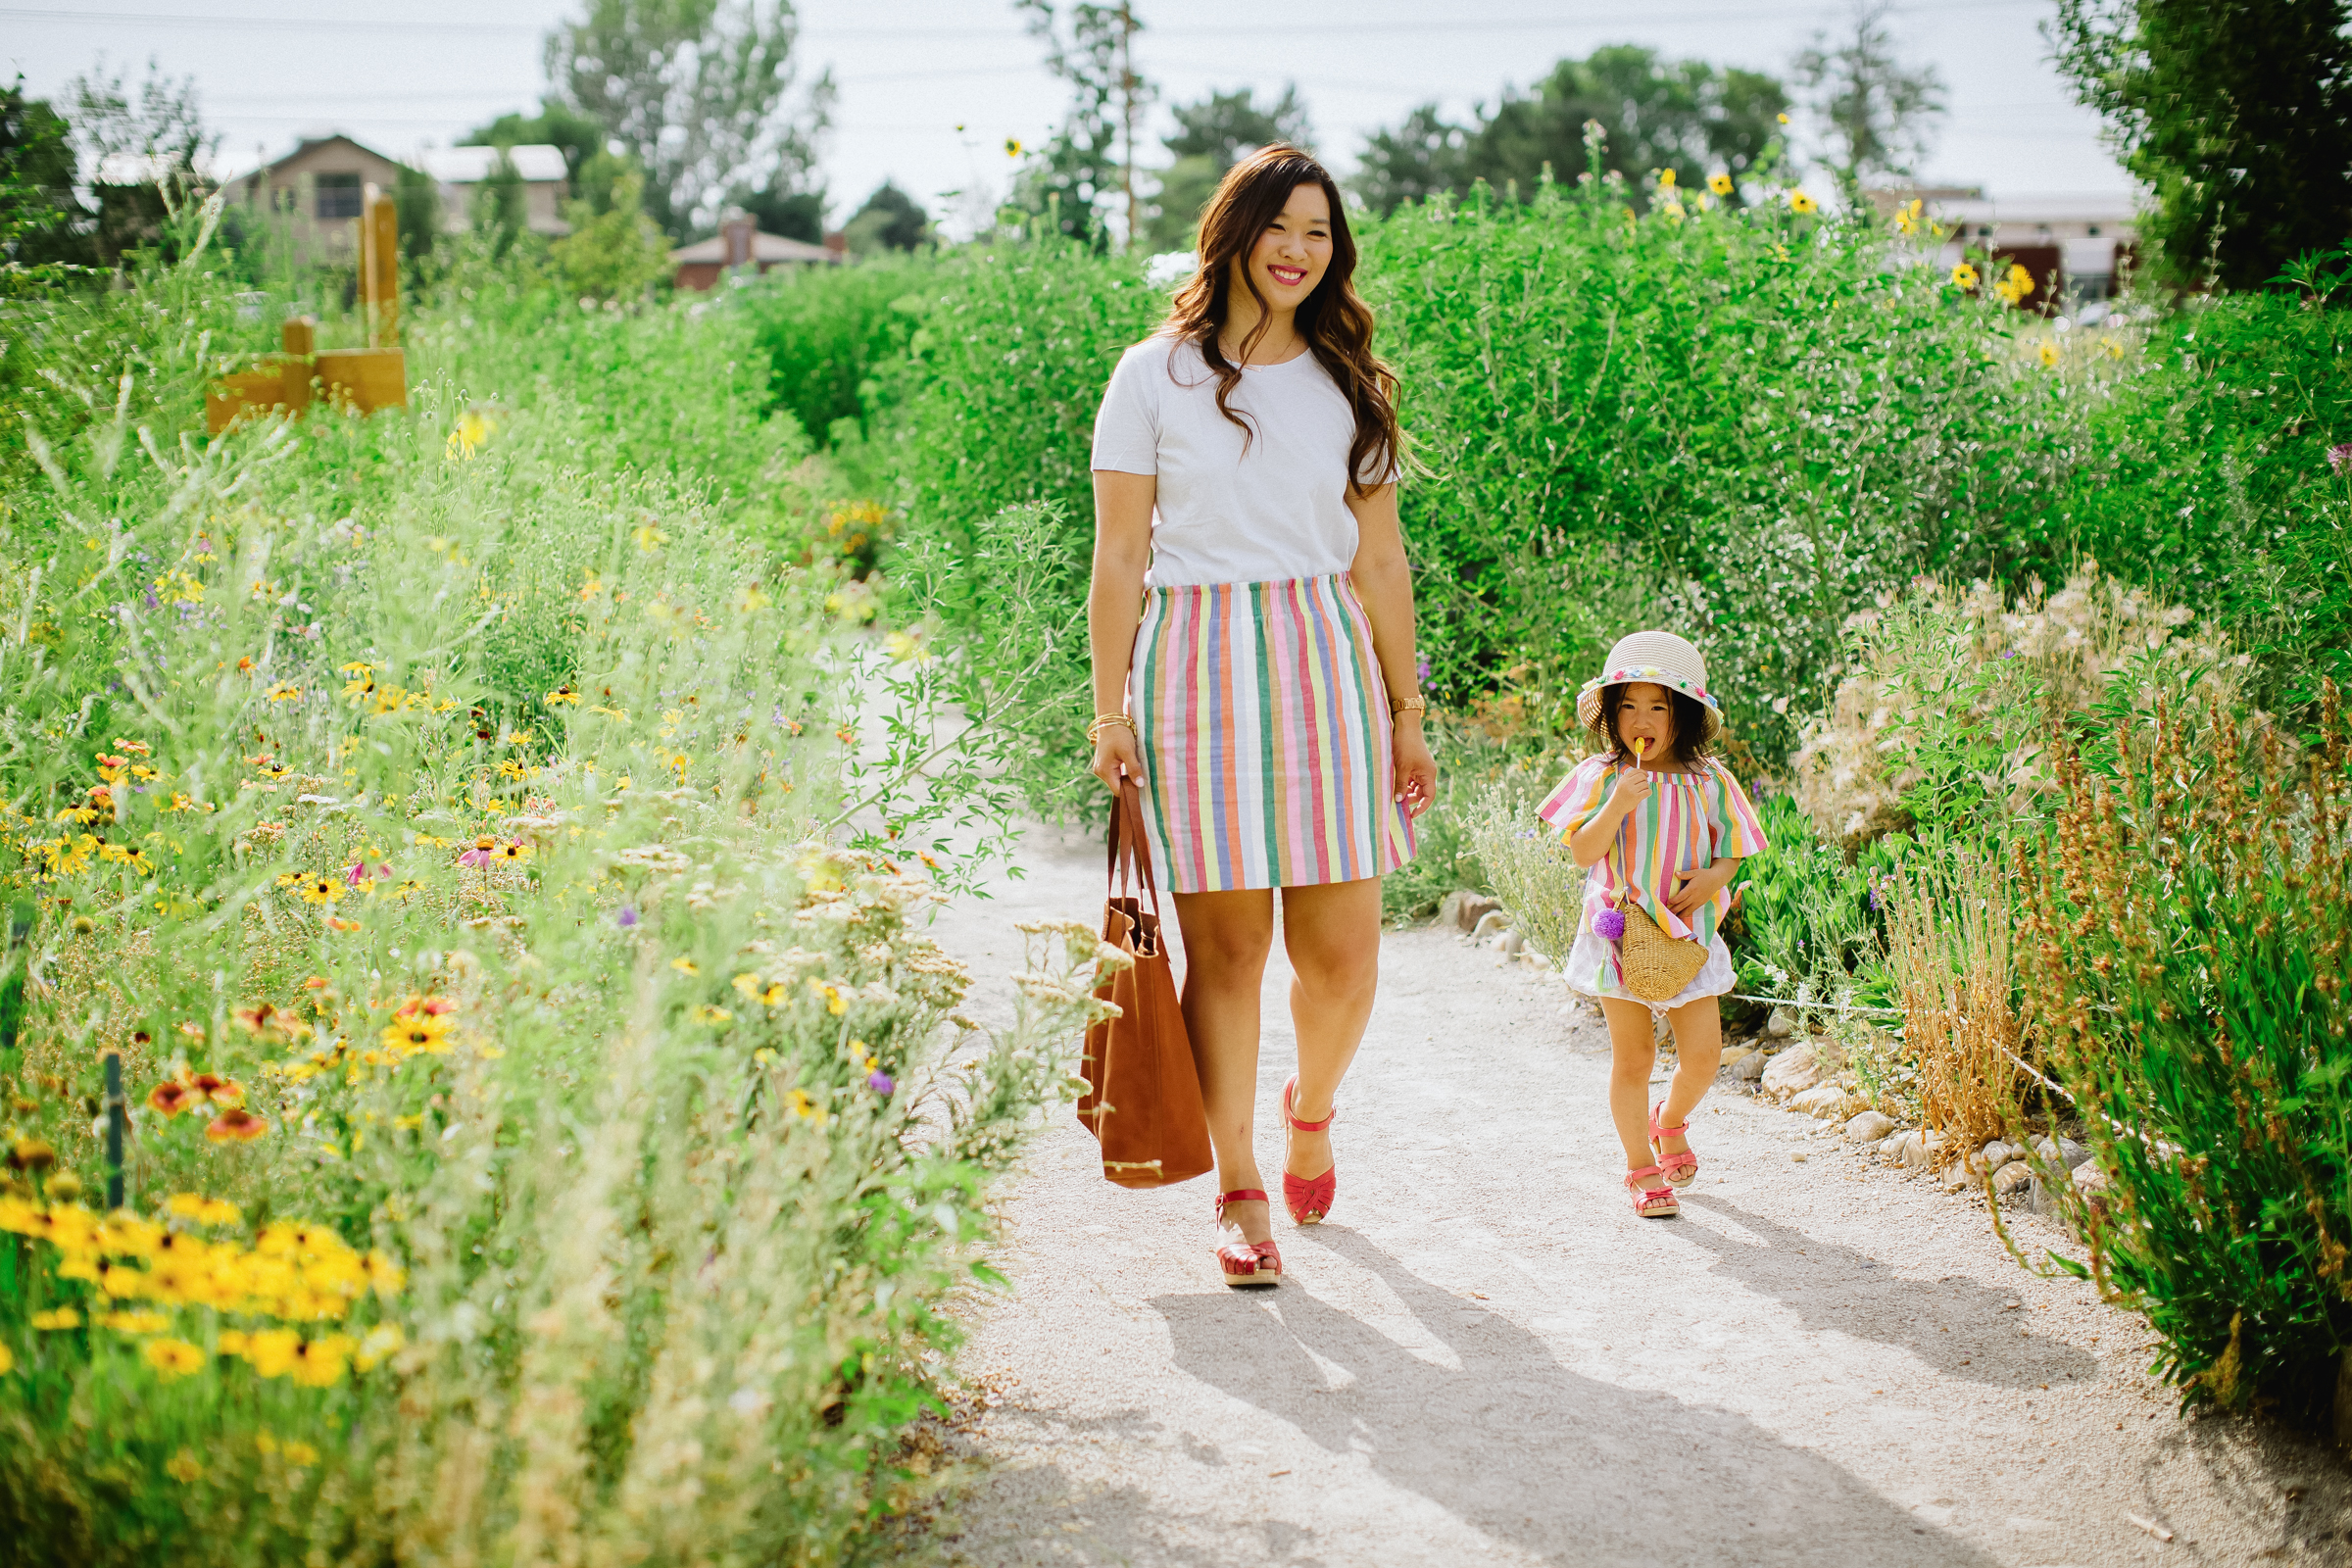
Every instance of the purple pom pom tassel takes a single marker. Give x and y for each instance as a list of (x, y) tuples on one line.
[(1609, 924)]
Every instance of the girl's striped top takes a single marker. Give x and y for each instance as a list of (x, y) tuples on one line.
[(1689, 821)]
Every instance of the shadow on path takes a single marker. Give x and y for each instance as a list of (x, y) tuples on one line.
[(1957, 1326), (1560, 1465)]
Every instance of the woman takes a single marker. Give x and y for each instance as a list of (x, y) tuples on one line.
[(1251, 621)]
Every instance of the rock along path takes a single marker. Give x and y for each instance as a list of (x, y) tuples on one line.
[(1484, 1357)]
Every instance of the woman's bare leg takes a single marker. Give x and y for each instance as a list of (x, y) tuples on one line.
[(1331, 935), (1226, 939)]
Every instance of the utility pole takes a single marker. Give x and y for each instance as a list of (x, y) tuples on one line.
[(1127, 104)]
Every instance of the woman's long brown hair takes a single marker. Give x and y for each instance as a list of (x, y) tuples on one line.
[(1334, 319)]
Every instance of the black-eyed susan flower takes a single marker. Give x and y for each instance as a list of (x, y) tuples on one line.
[(685, 966), (1720, 184), (318, 889), (1801, 204), (709, 1013), (62, 1317), (1964, 276)]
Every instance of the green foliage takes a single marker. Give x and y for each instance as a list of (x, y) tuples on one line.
[(1212, 134), (1880, 114), (2238, 117), (2208, 469), (1812, 918), (824, 332), (616, 254), (1687, 115), (579, 137), (2184, 959), (889, 220), (1742, 424)]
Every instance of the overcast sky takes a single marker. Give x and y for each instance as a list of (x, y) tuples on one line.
[(910, 72)]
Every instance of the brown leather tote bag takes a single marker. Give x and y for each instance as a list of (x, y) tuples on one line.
[(1143, 1087)]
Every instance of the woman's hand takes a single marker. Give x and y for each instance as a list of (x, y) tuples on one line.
[(1114, 751), (1416, 771), (1699, 887), (1632, 787)]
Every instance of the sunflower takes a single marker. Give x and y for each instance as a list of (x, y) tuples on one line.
[(1964, 276), (1720, 184), (1801, 204)]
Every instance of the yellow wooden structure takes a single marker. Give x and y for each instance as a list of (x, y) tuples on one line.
[(362, 380)]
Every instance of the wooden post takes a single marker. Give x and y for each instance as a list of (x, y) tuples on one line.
[(380, 269)]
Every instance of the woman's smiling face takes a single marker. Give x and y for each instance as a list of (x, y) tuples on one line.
[(1289, 258), (1643, 713)]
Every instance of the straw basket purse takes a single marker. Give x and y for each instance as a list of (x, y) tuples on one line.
[(1651, 965)]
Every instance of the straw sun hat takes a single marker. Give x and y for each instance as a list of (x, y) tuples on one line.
[(1659, 656)]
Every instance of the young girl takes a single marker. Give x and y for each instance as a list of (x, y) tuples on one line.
[(1651, 811)]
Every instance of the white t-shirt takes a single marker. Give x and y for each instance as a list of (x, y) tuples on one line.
[(1275, 512)]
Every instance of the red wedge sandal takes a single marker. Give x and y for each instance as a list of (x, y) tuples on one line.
[(1308, 1197), (1651, 1203), (1680, 1170), (1248, 1265)]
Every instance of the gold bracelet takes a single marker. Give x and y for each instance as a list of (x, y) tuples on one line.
[(1407, 705), (1104, 722)]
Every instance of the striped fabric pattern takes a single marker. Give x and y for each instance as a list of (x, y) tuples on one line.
[(1689, 821), (1263, 725)]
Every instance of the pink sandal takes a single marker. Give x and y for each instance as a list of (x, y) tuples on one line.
[(1308, 1197), (1246, 1264), (1651, 1203), (1680, 1170)]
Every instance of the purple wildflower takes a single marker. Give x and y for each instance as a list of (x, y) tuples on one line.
[(626, 917), (2339, 457), (1421, 668), (879, 1082), (353, 875)]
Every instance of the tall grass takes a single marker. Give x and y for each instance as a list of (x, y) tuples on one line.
[(549, 1143)]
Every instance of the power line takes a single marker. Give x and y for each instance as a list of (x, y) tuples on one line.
[(814, 37)]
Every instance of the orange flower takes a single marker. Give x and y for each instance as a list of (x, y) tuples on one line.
[(234, 1124), (171, 1099)]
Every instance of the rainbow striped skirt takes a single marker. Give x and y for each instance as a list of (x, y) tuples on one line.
[(1263, 724)]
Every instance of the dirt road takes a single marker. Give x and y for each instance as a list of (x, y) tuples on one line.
[(1484, 1357)]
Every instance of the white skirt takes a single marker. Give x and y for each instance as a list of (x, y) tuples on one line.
[(1591, 971)]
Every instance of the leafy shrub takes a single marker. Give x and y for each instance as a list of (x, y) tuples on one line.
[(1741, 422), (1529, 869), (2183, 965), (2207, 470), (824, 332), (1812, 920)]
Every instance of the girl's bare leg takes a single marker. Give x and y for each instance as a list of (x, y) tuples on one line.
[(1226, 939), (1331, 934), (1699, 1052), (1633, 1053)]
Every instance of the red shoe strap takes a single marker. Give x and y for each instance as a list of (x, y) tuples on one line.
[(1240, 1195), (1310, 1126)]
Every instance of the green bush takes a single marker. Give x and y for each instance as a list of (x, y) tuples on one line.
[(824, 332), (2207, 470)]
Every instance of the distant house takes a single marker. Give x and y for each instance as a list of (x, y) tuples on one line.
[(461, 171), (739, 243), (316, 189), (2086, 242)]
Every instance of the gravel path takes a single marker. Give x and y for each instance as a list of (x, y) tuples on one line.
[(1484, 1357)]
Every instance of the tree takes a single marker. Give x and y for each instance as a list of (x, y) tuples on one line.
[(416, 202), (41, 220), (617, 252), (1211, 137), (795, 213), (143, 155), (1087, 171), (889, 220), (1421, 158), (501, 209), (695, 92), (2235, 114), (578, 137), (1879, 116), (1687, 115)]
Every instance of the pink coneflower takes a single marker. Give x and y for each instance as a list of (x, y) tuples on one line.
[(353, 875), (2339, 457)]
